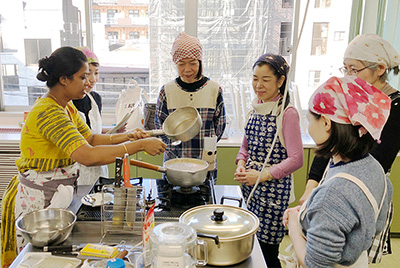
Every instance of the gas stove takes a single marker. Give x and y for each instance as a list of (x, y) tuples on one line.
[(170, 201)]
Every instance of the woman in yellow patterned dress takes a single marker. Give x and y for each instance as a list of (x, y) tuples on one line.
[(53, 139)]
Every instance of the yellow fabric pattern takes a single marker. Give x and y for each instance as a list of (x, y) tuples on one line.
[(8, 239), (50, 135)]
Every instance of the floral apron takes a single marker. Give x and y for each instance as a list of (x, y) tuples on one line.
[(39, 190), (271, 198)]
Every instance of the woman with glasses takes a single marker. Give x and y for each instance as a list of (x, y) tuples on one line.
[(370, 58)]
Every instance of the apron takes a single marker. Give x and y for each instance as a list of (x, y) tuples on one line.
[(271, 198), (47, 189), (89, 175), (362, 261)]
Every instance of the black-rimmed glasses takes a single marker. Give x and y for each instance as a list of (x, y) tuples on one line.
[(345, 71)]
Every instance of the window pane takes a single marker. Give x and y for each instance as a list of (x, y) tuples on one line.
[(322, 45), (31, 31), (322, 3), (120, 41), (320, 38), (233, 34), (133, 40)]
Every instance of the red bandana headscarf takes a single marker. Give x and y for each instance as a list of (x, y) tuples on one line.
[(351, 100)]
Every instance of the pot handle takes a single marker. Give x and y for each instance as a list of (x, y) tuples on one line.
[(147, 165), (155, 132), (202, 248), (214, 237), (239, 199)]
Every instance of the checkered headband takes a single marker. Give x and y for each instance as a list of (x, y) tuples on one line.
[(186, 47)]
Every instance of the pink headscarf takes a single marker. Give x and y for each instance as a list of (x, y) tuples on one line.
[(351, 100), (89, 54), (186, 47)]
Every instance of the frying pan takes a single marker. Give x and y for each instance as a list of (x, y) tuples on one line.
[(184, 172), (181, 125)]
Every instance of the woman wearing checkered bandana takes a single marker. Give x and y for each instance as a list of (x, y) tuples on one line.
[(191, 88)]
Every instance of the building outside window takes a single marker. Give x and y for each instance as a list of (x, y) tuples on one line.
[(111, 18), (134, 13), (314, 78), (285, 38), (112, 38), (96, 16), (320, 38), (36, 49), (287, 3), (134, 35), (233, 34), (322, 3), (10, 77), (340, 35)]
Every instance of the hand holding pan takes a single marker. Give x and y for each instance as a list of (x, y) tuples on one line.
[(183, 124), (184, 172)]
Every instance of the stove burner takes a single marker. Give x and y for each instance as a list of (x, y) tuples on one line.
[(186, 190), (173, 197), (171, 201)]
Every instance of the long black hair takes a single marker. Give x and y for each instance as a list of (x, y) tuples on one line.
[(64, 61)]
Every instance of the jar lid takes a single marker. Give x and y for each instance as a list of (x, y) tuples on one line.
[(228, 222), (173, 233), (115, 263)]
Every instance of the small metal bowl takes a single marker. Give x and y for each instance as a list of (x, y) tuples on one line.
[(46, 227)]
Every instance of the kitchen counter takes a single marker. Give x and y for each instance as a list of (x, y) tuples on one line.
[(90, 231)]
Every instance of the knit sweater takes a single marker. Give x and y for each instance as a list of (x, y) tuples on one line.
[(339, 223)]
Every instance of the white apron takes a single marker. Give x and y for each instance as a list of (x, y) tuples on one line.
[(89, 175)]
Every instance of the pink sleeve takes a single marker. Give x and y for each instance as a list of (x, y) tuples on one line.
[(243, 153), (293, 143)]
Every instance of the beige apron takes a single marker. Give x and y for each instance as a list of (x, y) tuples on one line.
[(362, 261)]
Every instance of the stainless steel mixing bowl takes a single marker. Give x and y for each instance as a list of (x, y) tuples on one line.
[(46, 227)]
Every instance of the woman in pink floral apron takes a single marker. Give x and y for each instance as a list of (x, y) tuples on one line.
[(335, 226)]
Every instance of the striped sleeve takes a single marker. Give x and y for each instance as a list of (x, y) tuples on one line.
[(55, 125)]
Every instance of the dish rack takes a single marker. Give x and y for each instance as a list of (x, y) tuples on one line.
[(125, 215)]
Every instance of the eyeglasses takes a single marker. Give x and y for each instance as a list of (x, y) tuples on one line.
[(344, 70)]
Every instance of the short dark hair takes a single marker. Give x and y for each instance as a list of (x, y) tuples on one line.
[(200, 72), (64, 61), (344, 140)]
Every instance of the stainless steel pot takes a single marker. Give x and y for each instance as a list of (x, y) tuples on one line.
[(184, 172), (181, 125), (228, 230)]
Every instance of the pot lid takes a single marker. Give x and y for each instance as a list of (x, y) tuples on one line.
[(228, 222)]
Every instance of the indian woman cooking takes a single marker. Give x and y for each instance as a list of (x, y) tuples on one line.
[(55, 138)]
